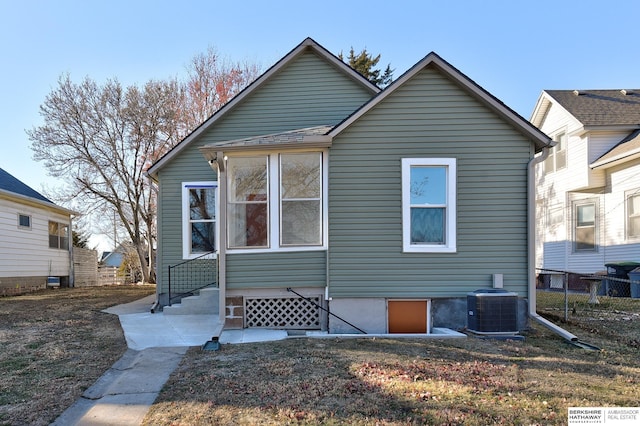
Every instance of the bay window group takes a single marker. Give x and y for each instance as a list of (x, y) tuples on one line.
[(275, 200)]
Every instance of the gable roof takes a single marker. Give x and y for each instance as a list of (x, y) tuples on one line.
[(12, 187), (11, 184), (306, 45), (601, 107), (627, 149), (540, 139)]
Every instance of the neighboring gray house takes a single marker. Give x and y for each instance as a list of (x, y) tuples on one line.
[(35, 235), (588, 189), (384, 207)]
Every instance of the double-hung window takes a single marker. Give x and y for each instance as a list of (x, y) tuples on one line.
[(557, 159), (301, 199), (429, 205), (58, 235), (633, 215), (199, 207), (248, 204), (275, 201), (585, 226)]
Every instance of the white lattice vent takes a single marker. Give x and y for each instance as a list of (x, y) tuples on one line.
[(296, 313)]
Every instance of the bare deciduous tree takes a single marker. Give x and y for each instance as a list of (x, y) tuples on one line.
[(212, 82), (97, 139), (100, 139)]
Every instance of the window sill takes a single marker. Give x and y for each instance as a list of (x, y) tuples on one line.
[(276, 250), (430, 249)]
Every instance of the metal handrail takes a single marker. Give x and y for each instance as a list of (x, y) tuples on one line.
[(194, 276)]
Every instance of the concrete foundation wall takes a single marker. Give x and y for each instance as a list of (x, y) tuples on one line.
[(11, 286), (371, 314)]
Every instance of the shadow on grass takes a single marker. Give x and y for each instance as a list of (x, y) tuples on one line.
[(385, 381)]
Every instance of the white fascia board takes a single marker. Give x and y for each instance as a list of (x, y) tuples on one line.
[(620, 159), (540, 139), (23, 199)]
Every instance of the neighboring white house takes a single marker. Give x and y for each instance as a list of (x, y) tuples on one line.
[(35, 236), (588, 189)]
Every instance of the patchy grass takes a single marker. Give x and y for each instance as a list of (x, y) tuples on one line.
[(396, 382), (615, 318), (54, 344)]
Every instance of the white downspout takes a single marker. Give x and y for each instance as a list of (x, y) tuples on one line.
[(72, 266), (222, 235), (531, 240)]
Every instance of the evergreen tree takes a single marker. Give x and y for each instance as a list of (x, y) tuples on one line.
[(365, 64), (80, 239)]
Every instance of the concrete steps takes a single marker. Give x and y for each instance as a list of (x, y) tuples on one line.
[(207, 302)]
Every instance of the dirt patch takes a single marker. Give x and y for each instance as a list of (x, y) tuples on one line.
[(54, 344)]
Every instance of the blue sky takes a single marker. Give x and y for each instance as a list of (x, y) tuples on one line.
[(514, 49)]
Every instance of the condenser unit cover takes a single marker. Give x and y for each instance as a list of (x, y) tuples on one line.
[(492, 311)]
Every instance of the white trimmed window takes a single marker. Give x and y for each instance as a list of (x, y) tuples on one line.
[(429, 205), (199, 223), (557, 159), (58, 235), (633, 215), (585, 226), (301, 199), (275, 201)]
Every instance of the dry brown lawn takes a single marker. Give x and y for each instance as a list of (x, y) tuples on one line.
[(54, 344), (398, 382)]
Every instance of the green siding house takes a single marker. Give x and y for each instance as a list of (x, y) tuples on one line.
[(317, 201)]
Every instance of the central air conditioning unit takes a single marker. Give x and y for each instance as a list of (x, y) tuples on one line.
[(492, 311)]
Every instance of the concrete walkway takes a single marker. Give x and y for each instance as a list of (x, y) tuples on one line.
[(123, 395), (157, 343)]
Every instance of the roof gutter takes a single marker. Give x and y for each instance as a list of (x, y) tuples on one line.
[(531, 239), (12, 196)]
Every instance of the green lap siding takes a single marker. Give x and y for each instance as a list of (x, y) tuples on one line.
[(307, 91), (429, 116), (276, 270)]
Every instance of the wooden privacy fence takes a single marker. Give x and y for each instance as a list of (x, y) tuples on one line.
[(85, 265), (109, 275)]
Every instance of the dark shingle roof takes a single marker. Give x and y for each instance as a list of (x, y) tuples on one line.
[(11, 184), (627, 146), (601, 107)]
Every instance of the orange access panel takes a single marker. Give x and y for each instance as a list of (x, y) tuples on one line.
[(407, 316)]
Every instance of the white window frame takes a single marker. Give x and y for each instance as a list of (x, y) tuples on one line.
[(551, 163), (627, 214), (282, 200), (596, 219), (273, 201), (186, 219), (450, 245), (61, 239)]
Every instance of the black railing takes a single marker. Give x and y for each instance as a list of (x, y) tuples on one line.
[(185, 278)]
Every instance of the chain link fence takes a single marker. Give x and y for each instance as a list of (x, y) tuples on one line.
[(600, 302)]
